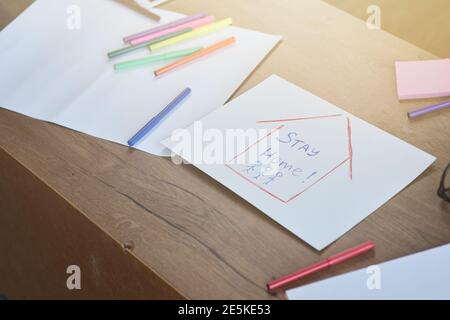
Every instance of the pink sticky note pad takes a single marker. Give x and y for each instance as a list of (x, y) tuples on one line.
[(423, 79)]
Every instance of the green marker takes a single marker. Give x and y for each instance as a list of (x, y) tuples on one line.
[(162, 57), (128, 49)]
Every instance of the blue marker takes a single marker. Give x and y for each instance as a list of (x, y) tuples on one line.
[(160, 117)]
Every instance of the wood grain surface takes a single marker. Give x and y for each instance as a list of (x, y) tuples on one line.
[(196, 235), (42, 234), (423, 23)]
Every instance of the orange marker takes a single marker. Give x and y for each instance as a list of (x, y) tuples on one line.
[(195, 56)]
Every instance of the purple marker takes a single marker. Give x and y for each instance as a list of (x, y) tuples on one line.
[(422, 111), (165, 27)]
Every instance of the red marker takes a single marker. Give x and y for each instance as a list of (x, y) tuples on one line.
[(331, 261)]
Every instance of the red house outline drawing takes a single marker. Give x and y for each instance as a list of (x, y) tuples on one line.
[(349, 159)]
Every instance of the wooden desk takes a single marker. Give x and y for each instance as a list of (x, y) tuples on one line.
[(423, 23), (141, 227)]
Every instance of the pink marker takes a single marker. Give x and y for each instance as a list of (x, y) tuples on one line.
[(336, 259), (165, 26), (191, 24)]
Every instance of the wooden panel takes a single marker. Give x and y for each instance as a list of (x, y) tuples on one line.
[(203, 239), (41, 234)]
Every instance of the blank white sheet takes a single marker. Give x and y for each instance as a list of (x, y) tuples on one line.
[(62, 75), (421, 276)]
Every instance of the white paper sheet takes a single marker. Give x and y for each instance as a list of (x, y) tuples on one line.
[(56, 72), (336, 169), (422, 276), (149, 3)]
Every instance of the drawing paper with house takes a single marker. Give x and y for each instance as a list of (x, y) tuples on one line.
[(309, 165)]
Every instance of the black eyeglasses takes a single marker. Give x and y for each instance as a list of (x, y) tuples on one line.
[(444, 187)]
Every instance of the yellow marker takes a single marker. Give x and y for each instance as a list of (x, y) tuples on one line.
[(194, 33)]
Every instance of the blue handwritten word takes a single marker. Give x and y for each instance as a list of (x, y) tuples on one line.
[(269, 161), (300, 145), (256, 170)]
